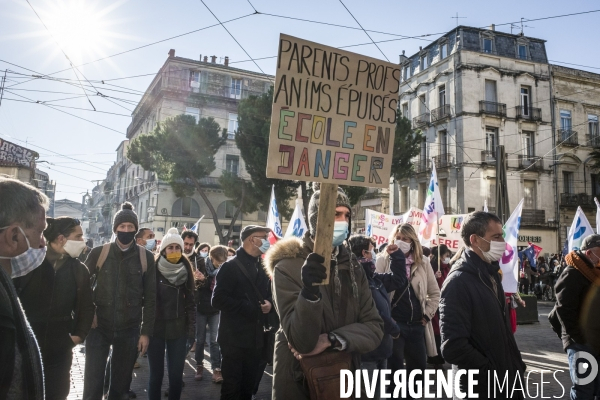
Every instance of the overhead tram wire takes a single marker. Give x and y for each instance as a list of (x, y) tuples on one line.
[(363, 29), (239, 44), (62, 106)]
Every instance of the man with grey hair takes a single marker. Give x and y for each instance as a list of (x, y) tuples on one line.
[(473, 293), (22, 249)]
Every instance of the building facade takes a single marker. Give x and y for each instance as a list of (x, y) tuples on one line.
[(468, 92), (576, 110), (200, 88)]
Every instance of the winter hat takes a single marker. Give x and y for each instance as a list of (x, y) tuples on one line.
[(172, 237), (126, 214), (313, 207)]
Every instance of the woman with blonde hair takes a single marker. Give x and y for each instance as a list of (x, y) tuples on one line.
[(414, 306)]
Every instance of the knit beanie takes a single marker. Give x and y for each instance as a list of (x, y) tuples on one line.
[(126, 214), (313, 206), (172, 237)]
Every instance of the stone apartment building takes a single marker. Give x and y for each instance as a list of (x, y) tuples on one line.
[(576, 108), (467, 92), (200, 88)]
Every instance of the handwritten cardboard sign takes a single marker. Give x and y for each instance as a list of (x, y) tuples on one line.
[(334, 115)]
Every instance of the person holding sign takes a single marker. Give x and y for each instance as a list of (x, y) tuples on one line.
[(334, 318)]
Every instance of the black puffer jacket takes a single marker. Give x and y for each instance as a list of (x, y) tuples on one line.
[(380, 285), (475, 331), (205, 289)]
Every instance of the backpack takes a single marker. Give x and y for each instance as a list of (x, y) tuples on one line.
[(106, 249)]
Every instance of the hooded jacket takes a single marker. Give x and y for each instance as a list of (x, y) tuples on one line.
[(475, 331), (355, 321)]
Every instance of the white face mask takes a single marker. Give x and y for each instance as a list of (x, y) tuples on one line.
[(403, 246), (496, 250), (27, 261), (446, 260), (74, 247), (373, 255)]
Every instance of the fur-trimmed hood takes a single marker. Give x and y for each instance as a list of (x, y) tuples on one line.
[(286, 248)]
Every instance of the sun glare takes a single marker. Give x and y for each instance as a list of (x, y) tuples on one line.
[(78, 26)]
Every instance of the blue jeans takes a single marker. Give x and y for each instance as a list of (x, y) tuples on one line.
[(580, 392), (212, 321), (372, 366), (124, 354), (176, 352)]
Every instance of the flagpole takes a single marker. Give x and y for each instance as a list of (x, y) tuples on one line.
[(438, 243)]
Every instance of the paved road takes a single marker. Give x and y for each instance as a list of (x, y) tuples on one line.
[(539, 345)]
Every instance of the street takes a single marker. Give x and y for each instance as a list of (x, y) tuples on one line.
[(540, 347)]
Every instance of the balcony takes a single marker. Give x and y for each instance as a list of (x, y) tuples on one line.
[(594, 140), (567, 137), (576, 199), (533, 217), (442, 161), (421, 120), (529, 113), (531, 163), (491, 108), (423, 165), (440, 113), (488, 157)]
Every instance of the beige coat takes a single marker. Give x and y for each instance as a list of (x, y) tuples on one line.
[(426, 289), (356, 322)]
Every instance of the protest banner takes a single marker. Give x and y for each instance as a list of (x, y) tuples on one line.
[(379, 226), (334, 116), (333, 122)]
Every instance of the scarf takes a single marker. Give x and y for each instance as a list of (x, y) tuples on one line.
[(592, 274), (409, 262), (176, 274)]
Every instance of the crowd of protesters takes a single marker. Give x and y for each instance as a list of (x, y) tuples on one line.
[(402, 306)]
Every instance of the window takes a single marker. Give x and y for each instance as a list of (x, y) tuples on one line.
[(407, 72), (236, 88), (491, 136), (405, 205), (194, 112), (525, 102), (232, 164), (423, 62), (523, 52), (195, 81), (422, 105), (443, 50), (490, 91), (593, 126), (529, 193), (232, 127), (423, 154), (422, 192), (443, 185), (405, 110), (568, 180), (528, 145), (186, 206), (226, 210), (491, 193), (487, 45), (443, 145), (565, 120), (595, 185), (442, 95)]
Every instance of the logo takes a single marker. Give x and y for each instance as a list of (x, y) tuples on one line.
[(456, 223), (586, 368)]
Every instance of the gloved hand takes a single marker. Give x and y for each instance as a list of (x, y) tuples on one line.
[(313, 271)]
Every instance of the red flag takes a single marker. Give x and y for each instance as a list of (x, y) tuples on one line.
[(184, 228)]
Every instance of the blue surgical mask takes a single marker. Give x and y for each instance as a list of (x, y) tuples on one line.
[(340, 232), (264, 246), (203, 254), (27, 261), (150, 243)]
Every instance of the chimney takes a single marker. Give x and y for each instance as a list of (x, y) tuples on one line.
[(200, 57), (205, 58), (420, 48), (213, 59), (171, 53), (227, 61), (403, 57), (492, 27)]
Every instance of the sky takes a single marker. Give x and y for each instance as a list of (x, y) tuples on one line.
[(77, 144)]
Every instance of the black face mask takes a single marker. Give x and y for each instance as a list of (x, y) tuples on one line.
[(125, 237)]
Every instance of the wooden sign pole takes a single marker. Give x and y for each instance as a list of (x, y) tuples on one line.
[(325, 222)]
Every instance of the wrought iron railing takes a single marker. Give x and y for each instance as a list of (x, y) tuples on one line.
[(492, 108), (440, 113), (567, 137), (529, 113), (421, 120)]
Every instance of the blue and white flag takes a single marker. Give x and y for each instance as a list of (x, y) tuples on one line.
[(196, 226), (508, 262), (273, 220), (580, 229), (433, 209), (297, 226)]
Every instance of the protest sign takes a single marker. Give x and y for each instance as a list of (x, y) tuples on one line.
[(334, 116), (379, 226)]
